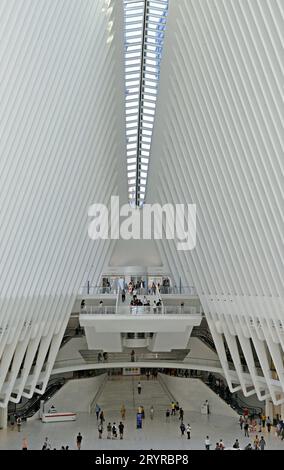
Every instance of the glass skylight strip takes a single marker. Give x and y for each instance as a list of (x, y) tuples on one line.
[(145, 23)]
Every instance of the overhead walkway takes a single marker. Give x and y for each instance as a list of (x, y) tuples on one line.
[(91, 356)]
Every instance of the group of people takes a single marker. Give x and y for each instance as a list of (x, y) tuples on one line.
[(16, 420), (176, 410), (136, 302), (113, 430), (47, 444), (258, 444), (133, 287), (249, 424), (102, 357)]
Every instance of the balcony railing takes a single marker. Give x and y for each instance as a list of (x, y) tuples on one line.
[(100, 290), (139, 310)]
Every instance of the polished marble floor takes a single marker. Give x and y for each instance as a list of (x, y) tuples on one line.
[(155, 434)]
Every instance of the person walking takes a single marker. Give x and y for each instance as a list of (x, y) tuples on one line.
[(46, 444), (262, 443), (263, 419), (79, 441), (122, 411), (102, 417), (188, 431), (12, 422), (114, 431), (207, 443), (109, 431), (221, 445), (19, 423), (181, 414), (246, 428), (152, 413), (121, 429), (182, 428), (268, 424), (173, 405), (25, 444), (100, 429), (207, 406), (256, 443), (139, 388), (241, 422), (167, 415), (97, 410)]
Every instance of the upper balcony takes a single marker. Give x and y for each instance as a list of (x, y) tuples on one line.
[(142, 310)]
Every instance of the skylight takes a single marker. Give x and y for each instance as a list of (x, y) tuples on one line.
[(144, 30)]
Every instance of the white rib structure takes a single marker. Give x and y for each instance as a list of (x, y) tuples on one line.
[(218, 143), (62, 148)]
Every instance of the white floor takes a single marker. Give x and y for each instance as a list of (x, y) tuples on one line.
[(156, 434)]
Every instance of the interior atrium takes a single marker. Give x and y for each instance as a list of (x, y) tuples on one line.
[(141, 220)]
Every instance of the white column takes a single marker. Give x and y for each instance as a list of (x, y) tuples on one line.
[(269, 409), (282, 410), (3, 418)]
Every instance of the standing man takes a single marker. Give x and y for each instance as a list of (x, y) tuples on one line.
[(182, 428), (121, 429), (98, 409), (139, 388), (268, 424), (109, 431), (100, 429), (262, 443), (19, 423), (246, 428), (188, 431), (79, 441), (207, 406), (102, 417), (122, 411), (207, 443)]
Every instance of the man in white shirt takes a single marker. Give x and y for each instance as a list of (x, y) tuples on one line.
[(207, 443)]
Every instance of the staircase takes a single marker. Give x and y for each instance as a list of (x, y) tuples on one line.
[(124, 391)]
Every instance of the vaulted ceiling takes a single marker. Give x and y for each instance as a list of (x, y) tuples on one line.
[(217, 142)]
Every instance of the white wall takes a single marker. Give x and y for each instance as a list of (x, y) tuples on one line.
[(199, 350), (135, 253), (76, 395), (71, 349), (191, 393)]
